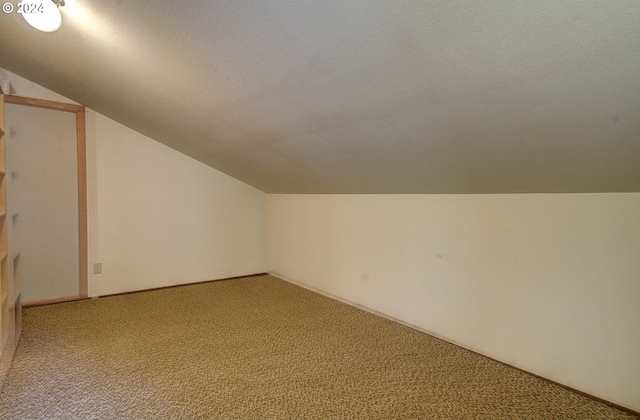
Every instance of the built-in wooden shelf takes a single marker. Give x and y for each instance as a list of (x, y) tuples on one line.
[(7, 309)]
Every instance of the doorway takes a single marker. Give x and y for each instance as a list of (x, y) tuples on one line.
[(46, 198)]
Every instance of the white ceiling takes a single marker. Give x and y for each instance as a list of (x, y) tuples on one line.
[(370, 96)]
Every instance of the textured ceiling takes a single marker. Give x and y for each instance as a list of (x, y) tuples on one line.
[(361, 97)]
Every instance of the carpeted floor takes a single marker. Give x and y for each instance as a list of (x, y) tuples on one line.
[(257, 348)]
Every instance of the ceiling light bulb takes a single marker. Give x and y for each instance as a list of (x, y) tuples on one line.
[(43, 15)]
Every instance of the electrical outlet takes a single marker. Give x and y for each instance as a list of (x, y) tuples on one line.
[(97, 268)]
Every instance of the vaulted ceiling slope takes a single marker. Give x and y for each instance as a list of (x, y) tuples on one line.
[(312, 96)]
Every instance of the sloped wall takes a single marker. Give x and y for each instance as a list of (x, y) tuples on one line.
[(164, 218), (549, 283), (157, 217)]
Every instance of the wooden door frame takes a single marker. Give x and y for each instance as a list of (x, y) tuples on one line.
[(80, 112)]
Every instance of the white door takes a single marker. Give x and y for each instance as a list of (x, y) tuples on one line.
[(42, 200)]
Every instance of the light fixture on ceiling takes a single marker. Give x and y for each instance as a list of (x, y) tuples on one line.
[(44, 15)]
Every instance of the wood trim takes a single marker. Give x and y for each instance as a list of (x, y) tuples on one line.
[(73, 298), (52, 301), (82, 202), (42, 103), (184, 284)]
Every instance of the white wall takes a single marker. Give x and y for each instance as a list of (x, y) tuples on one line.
[(157, 217), (548, 283), (164, 218)]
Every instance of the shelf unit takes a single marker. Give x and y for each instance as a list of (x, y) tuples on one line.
[(10, 308)]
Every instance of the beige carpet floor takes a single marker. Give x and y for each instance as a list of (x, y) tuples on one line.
[(258, 348)]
